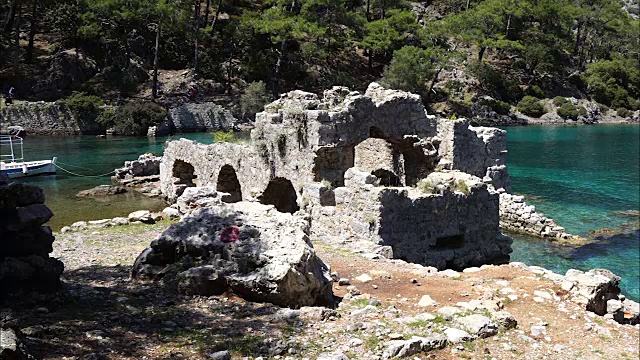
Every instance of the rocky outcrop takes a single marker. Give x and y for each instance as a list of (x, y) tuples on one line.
[(11, 347), (68, 68), (25, 264), (251, 249), (102, 190), (145, 165)]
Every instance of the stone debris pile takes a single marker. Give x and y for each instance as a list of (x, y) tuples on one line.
[(25, 243)]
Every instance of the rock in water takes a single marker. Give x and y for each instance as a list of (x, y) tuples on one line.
[(102, 190), (267, 256)]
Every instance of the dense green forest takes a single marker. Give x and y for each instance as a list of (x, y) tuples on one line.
[(446, 50)]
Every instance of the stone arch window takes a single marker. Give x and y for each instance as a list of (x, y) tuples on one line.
[(228, 182), (386, 178), (375, 132), (184, 173), (281, 194)]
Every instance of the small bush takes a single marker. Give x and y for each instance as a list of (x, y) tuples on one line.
[(559, 101), (427, 186), (135, 117), (254, 98), (536, 91), (498, 106), (570, 111), (531, 106), (228, 136), (83, 106), (623, 112), (107, 117), (460, 186)]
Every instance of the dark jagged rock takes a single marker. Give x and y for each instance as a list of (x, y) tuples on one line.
[(24, 243)]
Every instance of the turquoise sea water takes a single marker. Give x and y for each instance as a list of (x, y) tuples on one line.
[(583, 177), (88, 155)]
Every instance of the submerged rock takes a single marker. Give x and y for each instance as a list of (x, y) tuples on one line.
[(102, 190)]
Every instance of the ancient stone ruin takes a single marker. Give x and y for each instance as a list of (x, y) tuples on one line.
[(25, 244), (374, 171)]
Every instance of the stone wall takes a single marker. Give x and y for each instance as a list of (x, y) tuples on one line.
[(25, 264), (41, 118), (518, 217), (478, 151), (456, 226), (193, 117)]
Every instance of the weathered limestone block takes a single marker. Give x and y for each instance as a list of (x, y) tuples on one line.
[(377, 156), (598, 286), (145, 165), (235, 246), (200, 117)]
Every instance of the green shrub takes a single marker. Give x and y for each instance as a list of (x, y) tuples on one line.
[(83, 106), (498, 106), (535, 90), (427, 186), (623, 112), (613, 82), (460, 186), (254, 98), (568, 111), (559, 101), (226, 136), (582, 111), (135, 117), (531, 106), (107, 117)]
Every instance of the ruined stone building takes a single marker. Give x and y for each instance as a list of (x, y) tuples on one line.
[(373, 171)]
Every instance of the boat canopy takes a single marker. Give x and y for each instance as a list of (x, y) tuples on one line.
[(11, 149)]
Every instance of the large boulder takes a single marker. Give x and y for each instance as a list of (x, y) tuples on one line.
[(259, 253), (596, 286)]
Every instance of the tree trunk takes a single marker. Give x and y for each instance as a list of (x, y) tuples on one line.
[(468, 4), (206, 14), (17, 34), (215, 20), (8, 25), (154, 85), (481, 53), (506, 34), (196, 67), (32, 31), (368, 10), (433, 83), (576, 48)]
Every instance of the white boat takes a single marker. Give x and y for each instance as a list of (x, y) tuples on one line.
[(12, 162)]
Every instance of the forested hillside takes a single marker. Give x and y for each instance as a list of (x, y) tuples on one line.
[(449, 51)]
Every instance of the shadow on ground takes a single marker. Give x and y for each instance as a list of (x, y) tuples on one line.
[(102, 314)]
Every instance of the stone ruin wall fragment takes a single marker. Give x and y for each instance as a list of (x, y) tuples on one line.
[(312, 153)]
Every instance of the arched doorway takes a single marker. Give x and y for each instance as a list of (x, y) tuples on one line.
[(228, 183), (281, 194)]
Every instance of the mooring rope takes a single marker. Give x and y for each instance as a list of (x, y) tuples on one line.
[(75, 166), (81, 175)]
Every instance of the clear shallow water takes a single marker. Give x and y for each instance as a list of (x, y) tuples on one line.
[(89, 155), (582, 177)]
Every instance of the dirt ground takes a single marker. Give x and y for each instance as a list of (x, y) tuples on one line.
[(102, 314)]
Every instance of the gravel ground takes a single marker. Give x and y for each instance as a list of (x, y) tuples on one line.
[(102, 314)]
